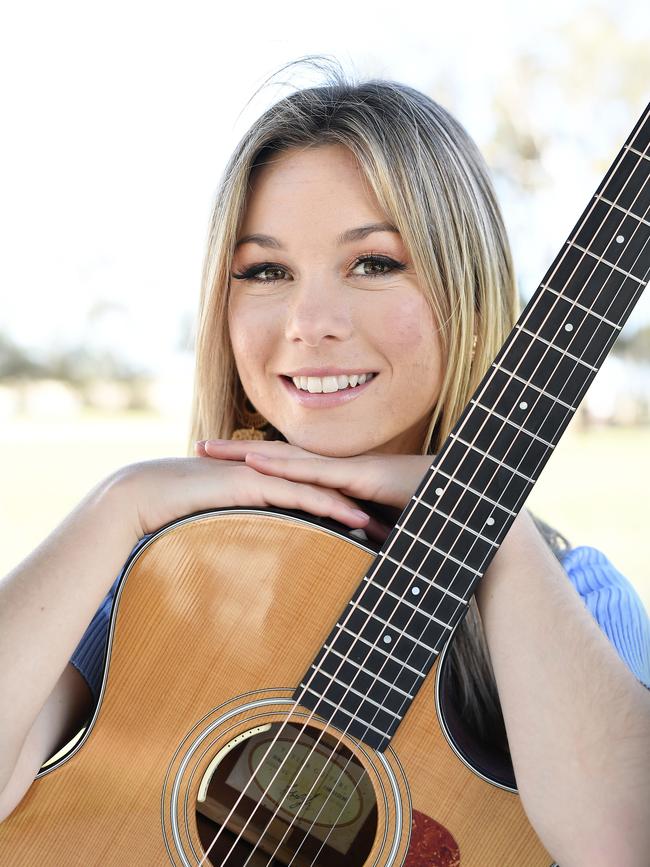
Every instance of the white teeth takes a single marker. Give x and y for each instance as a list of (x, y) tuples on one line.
[(330, 384), (314, 384)]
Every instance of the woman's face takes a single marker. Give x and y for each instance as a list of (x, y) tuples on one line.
[(316, 311)]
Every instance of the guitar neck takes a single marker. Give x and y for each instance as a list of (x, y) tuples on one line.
[(532, 389), (421, 581)]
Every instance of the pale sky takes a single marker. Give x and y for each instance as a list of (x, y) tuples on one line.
[(118, 118)]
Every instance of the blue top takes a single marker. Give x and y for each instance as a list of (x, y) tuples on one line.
[(609, 596)]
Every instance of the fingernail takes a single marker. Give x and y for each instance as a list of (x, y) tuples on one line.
[(359, 514)]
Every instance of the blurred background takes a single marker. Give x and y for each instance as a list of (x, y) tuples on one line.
[(118, 119)]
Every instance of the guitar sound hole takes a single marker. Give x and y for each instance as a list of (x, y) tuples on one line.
[(318, 809)]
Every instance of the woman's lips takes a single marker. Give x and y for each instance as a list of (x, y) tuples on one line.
[(305, 398)]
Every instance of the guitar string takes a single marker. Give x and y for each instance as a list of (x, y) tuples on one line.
[(545, 354), (573, 337), (333, 822), (277, 735), (297, 702)]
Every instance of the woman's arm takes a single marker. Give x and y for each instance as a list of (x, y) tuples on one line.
[(46, 602), (577, 719)]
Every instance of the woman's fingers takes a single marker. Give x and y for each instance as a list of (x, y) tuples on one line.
[(235, 450), (333, 474), (295, 470), (274, 491)]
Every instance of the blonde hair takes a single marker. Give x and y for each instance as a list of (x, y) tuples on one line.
[(431, 180)]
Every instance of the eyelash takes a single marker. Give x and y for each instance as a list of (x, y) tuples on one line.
[(251, 273)]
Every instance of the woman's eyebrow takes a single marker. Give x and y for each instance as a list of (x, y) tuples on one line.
[(344, 238)]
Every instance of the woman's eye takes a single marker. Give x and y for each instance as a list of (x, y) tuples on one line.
[(388, 265), (252, 273), (383, 261)]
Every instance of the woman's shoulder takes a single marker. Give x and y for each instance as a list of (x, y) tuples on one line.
[(614, 603)]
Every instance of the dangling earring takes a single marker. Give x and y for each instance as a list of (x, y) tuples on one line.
[(253, 423), (474, 346)]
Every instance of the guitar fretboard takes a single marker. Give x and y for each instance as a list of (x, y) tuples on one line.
[(420, 583)]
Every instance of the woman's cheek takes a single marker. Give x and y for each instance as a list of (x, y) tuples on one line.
[(250, 327), (407, 324)]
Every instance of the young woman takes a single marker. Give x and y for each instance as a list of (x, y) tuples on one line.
[(357, 285)]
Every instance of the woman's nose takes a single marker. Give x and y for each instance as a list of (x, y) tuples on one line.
[(317, 310)]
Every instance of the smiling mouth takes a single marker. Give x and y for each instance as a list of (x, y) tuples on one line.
[(340, 388)]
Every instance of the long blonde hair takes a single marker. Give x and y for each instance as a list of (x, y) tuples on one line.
[(431, 180)]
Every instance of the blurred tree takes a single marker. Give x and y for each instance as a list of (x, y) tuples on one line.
[(79, 365), (76, 365), (16, 362), (583, 84)]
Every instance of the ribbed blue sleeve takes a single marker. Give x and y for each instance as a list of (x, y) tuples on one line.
[(88, 658), (615, 605), (89, 655)]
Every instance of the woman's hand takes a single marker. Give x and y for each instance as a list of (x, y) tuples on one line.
[(156, 492), (388, 480)]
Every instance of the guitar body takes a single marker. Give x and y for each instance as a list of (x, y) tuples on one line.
[(215, 622)]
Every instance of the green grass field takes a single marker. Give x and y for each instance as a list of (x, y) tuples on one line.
[(595, 488)]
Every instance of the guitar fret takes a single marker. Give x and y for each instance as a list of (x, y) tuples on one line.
[(608, 292), (476, 493), (550, 368), (381, 650), (619, 240), (402, 631), (513, 424), (621, 208), (635, 151), (582, 306), (605, 262), (506, 395), (446, 555), (354, 691), (406, 601), (535, 387), (330, 649), (341, 709), (455, 521), (494, 460), (558, 348)]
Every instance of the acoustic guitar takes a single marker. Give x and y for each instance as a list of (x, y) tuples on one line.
[(276, 689)]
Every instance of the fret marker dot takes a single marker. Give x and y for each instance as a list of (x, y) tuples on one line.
[(387, 639), (490, 521), (439, 492), (568, 327), (523, 405), (415, 591), (619, 239)]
